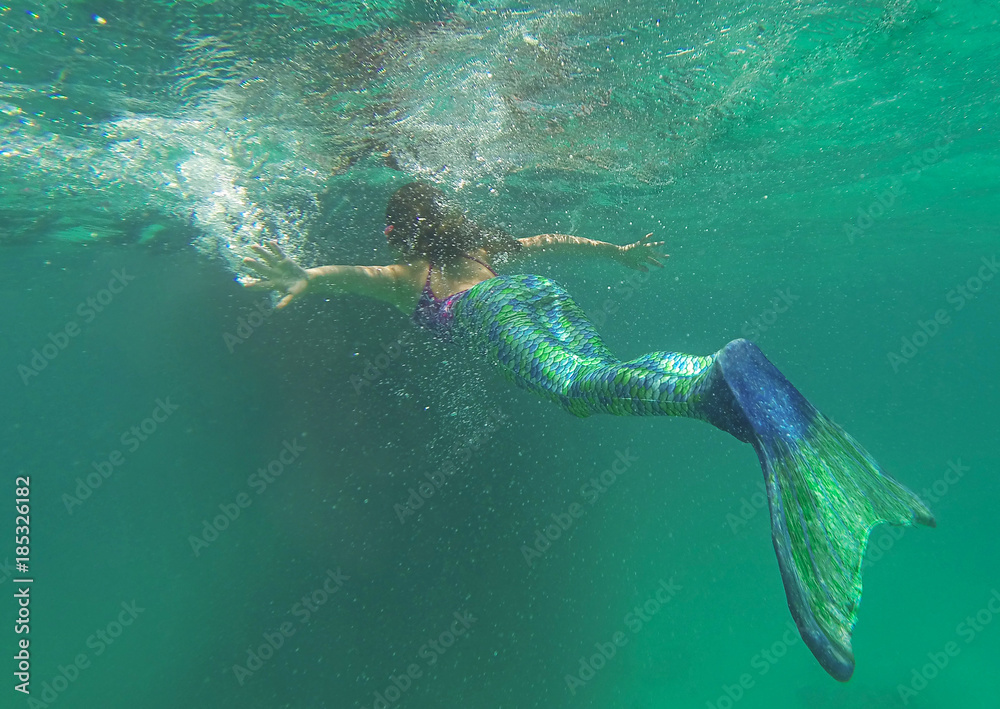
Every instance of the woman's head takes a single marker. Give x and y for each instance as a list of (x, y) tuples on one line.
[(420, 221)]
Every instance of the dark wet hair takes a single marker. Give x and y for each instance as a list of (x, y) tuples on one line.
[(421, 221)]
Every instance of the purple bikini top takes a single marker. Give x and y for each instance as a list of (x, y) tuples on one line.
[(433, 312)]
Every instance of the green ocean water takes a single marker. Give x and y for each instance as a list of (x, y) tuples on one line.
[(825, 177)]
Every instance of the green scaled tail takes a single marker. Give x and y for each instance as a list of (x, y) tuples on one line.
[(825, 492)]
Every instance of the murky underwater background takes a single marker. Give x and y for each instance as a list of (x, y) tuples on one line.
[(826, 178)]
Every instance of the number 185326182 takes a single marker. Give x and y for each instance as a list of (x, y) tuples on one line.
[(22, 523)]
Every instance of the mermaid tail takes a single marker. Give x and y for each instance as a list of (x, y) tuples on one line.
[(825, 492), (545, 343)]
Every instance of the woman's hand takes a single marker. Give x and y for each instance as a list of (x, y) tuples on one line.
[(277, 271), (641, 254)]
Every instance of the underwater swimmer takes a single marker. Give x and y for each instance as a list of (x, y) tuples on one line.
[(825, 492)]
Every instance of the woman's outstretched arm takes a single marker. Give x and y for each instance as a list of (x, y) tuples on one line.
[(278, 271), (639, 255)]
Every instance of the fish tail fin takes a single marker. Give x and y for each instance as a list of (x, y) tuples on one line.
[(825, 493)]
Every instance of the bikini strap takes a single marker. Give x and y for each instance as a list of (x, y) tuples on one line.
[(430, 269), (428, 291), (484, 265)]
